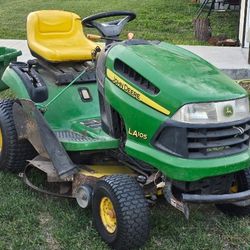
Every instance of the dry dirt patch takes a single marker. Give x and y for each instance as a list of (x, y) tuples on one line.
[(45, 222)]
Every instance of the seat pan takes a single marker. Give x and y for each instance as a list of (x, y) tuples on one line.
[(57, 36), (56, 51)]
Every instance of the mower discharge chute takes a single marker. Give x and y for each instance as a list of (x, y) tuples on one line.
[(118, 124)]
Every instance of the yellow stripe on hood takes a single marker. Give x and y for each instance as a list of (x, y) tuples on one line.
[(119, 82)]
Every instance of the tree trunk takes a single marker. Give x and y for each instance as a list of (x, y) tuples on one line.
[(202, 29)]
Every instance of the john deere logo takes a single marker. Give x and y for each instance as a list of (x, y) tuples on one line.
[(228, 110)]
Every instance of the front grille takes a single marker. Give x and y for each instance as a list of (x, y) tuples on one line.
[(203, 141)]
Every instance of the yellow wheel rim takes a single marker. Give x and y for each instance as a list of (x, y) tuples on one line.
[(1, 140), (108, 215)]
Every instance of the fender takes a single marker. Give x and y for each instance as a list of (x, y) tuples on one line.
[(25, 82), (11, 80)]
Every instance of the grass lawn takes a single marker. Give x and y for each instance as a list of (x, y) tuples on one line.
[(166, 20), (30, 220)]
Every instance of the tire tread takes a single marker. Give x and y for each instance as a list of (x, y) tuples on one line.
[(18, 151), (132, 208)]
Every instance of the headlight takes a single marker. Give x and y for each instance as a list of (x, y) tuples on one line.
[(213, 112)]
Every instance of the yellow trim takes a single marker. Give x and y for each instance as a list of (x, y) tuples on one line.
[(234, 188), (243, 81), (159, 192), (108, 215), (98, 171), (1, 140), (119, 82)]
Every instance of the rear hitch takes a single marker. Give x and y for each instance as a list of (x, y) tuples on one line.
[(181, 206)]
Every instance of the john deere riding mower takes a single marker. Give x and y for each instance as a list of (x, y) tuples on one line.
[(117, 124)]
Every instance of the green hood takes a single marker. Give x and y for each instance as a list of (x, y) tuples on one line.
[(181, 76)]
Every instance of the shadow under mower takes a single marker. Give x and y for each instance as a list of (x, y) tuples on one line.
[(115, 125)]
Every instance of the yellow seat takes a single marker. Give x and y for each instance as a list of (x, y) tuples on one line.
[(57, 36)]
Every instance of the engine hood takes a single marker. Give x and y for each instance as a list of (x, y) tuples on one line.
[(181, 76)]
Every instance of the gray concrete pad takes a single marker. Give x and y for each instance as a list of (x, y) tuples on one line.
[(17, 44), (222, 57), (232, 60)]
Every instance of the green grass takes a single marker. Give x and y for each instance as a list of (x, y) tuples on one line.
[(165, 20), (30, 220)]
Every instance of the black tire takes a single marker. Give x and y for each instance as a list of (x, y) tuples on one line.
[(243, 182), (14, 152), (131, 212)]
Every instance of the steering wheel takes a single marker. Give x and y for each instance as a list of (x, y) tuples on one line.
[(112, 28)]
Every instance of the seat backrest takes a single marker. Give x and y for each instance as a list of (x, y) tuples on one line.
[(47, 29), (52, 24)]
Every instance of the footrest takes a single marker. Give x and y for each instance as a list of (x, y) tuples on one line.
[(68, 135), (75, 141)]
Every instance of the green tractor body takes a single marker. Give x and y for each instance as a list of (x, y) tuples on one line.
[(178, 77), (155, 109)]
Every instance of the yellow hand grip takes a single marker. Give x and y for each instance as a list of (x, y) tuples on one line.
[(93, 37)]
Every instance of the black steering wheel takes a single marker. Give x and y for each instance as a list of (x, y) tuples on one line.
[(110, 29)]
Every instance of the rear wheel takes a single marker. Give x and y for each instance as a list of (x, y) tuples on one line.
[(242, 183), (13, 152), (120, 212)]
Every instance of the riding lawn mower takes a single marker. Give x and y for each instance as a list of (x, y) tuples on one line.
[(121, 123)]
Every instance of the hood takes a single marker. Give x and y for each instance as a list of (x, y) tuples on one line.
[(181, 76)]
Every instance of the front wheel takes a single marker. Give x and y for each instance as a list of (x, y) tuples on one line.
[(241, 183), (120, 212)]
